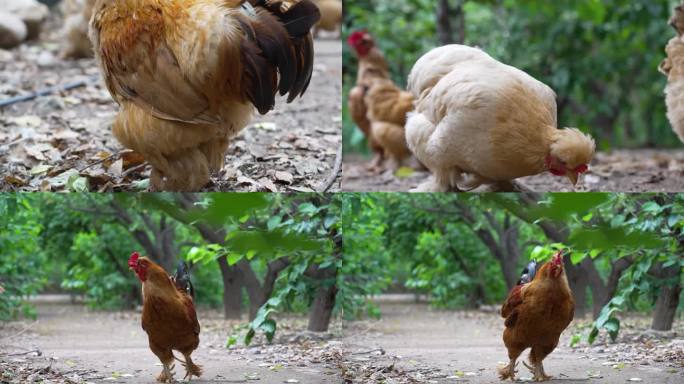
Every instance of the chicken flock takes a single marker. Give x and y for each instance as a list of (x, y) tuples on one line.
[(474, 121)]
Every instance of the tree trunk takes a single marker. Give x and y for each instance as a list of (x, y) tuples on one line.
[(444, 33), (232, 290), (322, 308), (578, 282), (444, 15), (668, 299)]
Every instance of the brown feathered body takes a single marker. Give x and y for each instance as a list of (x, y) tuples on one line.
[(536, 314), (188, 74), (387, 108), (331, 15), (673, 68), (168, 318), (371, 66), (75, 41)]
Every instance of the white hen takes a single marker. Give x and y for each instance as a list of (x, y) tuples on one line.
[(478, 121)]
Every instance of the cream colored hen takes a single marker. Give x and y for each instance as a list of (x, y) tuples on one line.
[(673, 68), (478, 121)]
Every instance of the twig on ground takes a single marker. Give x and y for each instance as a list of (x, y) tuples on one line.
[(38, 351), (105, 159), (131, 170), (337, 167), (20, 332), (382, 352)]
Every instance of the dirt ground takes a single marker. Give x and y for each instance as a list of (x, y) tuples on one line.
[(63, 141), (618, 171), (412, 343), (80, 346)]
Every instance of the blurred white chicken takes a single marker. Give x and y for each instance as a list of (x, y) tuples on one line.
[(75, 41), (673, 68), (478, 121)]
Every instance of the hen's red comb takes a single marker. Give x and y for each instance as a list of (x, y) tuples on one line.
[(133, 260)]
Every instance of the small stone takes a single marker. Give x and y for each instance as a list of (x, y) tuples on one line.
[(12, 30), (46, 59), (31, 12)]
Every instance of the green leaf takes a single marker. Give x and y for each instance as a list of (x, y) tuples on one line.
[(231, 340), (564, 205), (592, 335), (613, 327), (651, 207), (269, 328), (249, 336), (234, 258), (607, 238), (273, 222), (577, 257)]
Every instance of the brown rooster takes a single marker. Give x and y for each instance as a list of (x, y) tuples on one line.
[(536, 314), (168, 316), (189, 73), (372, 66)]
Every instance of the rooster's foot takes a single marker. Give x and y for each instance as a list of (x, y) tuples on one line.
[(166, 375), (508, 372), (538, 372)]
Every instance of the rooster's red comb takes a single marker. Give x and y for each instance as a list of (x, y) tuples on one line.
[(558, 257), (357, 36), (133, 260)]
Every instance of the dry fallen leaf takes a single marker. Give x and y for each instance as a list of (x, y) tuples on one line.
[(131, 159), (36, 151), (26, 121), (15, 180), (267, 184), (117, 168), (66, 134), (285, 177)]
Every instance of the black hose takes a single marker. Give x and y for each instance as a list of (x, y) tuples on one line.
[(48, 91)]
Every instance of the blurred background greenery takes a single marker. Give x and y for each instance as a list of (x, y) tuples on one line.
[(600, 56)]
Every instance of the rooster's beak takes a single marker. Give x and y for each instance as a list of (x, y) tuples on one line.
[(572, 176)]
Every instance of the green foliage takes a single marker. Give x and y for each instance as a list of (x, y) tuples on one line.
[(365, 266), (103, 280), (302, 217), (599, 56), (21, 259)]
